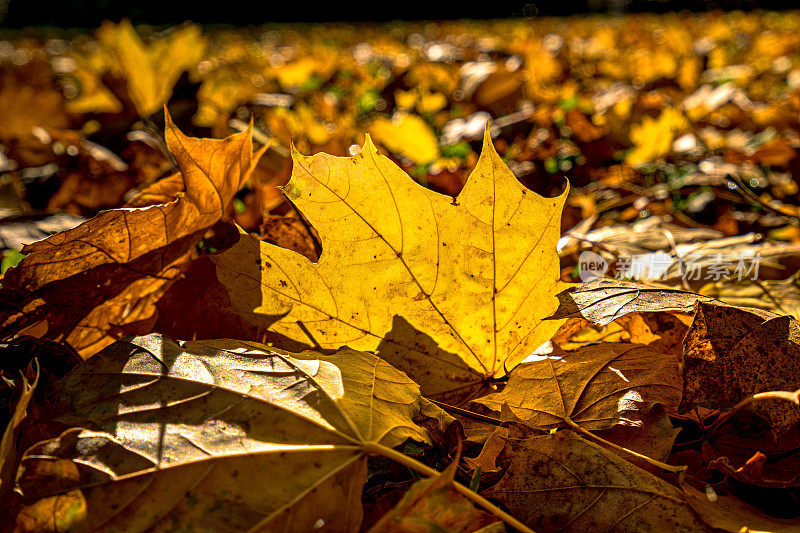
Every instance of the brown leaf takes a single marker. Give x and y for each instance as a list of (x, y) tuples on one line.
[(432, 505), (291, 233), (194, 308), (598, 387), (487, 459), (752, 472), (111, 270), (654, 438), (605, 300), (231, 435), (28, 109), (729, 446), (662, 331), (561, 482), (733, 352)]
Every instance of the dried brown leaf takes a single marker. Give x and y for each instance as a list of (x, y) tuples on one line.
[(110, 271), (597, 386), (733, 352), (604, 300), (560, 482)]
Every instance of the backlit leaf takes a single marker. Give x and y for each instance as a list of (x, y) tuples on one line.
[(111, 270), (451, 291)]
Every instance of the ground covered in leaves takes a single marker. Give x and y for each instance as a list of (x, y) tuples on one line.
[(333, 277)]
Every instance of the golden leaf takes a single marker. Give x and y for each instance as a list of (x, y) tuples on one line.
[(94, 96), (452, 291), (653, 138), (150, 71), (408, 136)]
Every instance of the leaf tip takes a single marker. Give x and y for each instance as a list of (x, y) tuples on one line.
[(487, 135), (369, 145), (167, 119), (488, 148), (294, 151)]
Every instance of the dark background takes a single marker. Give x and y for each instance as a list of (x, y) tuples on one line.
[(89, 13)]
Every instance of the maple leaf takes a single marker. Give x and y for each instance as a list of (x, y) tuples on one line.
[(408, 136), (149, 71), (561, 482), (228, 434), (452, 291), (653, 137), (111, 270), (597, 386)]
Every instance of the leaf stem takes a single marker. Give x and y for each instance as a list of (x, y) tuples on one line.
[(379, 449), (793, 397), (677, 470), (467, 413)]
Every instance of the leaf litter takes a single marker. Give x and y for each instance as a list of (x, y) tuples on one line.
[(615, 352)]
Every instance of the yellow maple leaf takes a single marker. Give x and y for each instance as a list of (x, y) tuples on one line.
[(93, 97), (222, 91), (407, 135), (452, 291), (296, 73), (652, 138), (150, 71)]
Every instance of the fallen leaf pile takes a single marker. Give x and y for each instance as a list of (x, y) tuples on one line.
[(293, 279)]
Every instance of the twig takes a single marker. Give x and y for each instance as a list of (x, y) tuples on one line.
[(753, 198)]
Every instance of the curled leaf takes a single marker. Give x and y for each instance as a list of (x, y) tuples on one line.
[(604, 300), (111, 270)]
